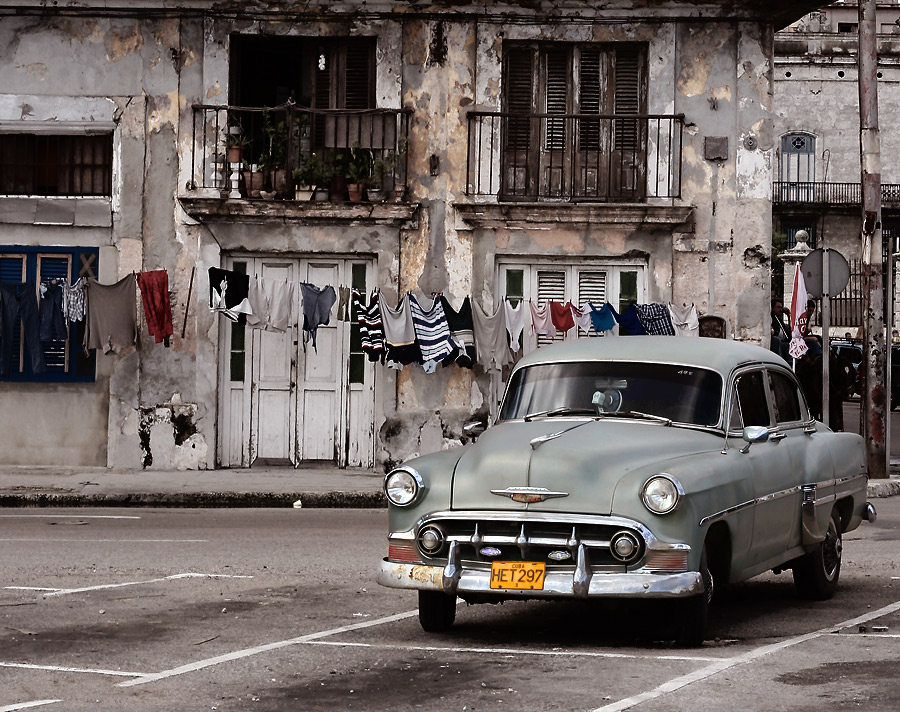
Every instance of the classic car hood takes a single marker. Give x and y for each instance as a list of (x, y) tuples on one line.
[(586, 461)]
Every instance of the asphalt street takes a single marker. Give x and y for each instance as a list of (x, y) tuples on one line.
[(277, 610)]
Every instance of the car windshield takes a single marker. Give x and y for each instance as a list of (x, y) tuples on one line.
[(682, 394)]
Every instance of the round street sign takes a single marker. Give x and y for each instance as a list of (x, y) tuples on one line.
[(838, 272)]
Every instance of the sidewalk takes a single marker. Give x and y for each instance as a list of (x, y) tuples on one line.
[(254, 487)]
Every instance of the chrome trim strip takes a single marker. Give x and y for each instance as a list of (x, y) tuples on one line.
[(778, 495), (556, 584), (850, 478), (529, 494), (725, 512)]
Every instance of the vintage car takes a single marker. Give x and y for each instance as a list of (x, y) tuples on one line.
[(644, 467)]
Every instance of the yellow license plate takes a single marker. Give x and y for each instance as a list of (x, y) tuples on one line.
[(518, 575)]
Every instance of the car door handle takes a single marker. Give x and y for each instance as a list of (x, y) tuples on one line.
[(777, 436)]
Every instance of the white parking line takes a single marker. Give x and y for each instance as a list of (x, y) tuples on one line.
[(238, 654), (67, 591), (108, 541), (516, 651), (26, 705), (717, 667), (67, 516), (59, 668)]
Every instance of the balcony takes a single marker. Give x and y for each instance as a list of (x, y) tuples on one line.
[(291, 154), (576, 158), (785, 192)]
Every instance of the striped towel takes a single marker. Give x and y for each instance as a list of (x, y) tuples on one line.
[(432, 333)]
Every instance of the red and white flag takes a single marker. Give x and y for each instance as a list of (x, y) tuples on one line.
[(799, 315)]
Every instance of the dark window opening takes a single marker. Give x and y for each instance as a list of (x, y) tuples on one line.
[(60, 165)]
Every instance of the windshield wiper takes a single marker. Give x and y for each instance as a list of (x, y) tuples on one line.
[(559, 411), (636, 414)]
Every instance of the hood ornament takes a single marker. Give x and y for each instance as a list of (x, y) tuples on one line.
[(529, 495), (544, 438)]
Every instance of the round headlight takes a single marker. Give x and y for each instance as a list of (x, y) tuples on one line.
[(661, 494), (403, 486)]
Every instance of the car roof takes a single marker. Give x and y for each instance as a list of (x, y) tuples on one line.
[(721, 355)]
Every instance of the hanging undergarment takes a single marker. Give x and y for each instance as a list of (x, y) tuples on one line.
[(371, 328), (343, 312), (684, 320), (583, 317), (432, 332), (541, 322), (462, 331), (491, 338), (112, 316), (515, 323), (228, 293), (157, 306), (561, 316), (317, 303), (272, 303), (400, 343), (655, 319)]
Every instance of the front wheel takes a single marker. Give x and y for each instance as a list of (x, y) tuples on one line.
[(437, 611), (816, 573), (693, 612)]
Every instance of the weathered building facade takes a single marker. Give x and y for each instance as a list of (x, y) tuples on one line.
[(816, 117), (540, 150)]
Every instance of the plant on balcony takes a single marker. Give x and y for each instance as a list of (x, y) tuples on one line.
[(235, 143), (273, 159), (358, 171), (310, 174)]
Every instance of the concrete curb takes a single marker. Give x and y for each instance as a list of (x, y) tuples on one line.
[(307, 500), (883, 488)]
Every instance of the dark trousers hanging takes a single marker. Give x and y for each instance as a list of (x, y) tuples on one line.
[(19, 301), (53, 323)]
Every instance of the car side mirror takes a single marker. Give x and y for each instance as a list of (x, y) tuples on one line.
[(754, 434), (474, 429)]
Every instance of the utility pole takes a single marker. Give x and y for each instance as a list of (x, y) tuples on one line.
[(870, 162)]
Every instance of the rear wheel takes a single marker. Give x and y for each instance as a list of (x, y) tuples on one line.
[(816, 574), (437, 611), (693, 612)]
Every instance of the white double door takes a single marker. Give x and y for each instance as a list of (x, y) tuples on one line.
[(288, 402)]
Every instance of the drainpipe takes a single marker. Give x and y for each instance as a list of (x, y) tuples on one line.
[(870, 162)]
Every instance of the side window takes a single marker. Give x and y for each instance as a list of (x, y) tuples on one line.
[(750, 397), (786, 398)]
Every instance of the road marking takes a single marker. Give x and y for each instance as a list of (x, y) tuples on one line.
[(68, 516), (112, 541), (517, 651), (67, 591), (246, 653), (26, 705), (58, 668), (749, 656)]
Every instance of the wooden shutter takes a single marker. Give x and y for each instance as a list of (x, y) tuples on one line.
[(556, 95), (628, 97), (13, 271), (359, 66), (518, 86), (591, 96)]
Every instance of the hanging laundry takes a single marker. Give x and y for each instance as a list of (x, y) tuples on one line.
[(604, 318), (684, 320), (371, 328), (432, 332), (343, 312), (561, 316), (515, 322), (400, 343), (271, 303), (582, 316), (112, 316), (655, 319), (541, 321), (629, 321), (53, 323), (154, 288), (19, 301), (317, 303), (491, 338), (228, 292), (73, 300), (462, 331)]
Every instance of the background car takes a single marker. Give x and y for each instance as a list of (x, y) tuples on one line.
[(850, 351), (630, 467)]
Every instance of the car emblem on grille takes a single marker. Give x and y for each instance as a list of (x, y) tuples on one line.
[(529, 495)]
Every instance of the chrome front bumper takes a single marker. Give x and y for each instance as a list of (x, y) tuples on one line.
[(556, 584)]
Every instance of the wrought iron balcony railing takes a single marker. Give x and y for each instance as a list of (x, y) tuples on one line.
[(253, 152), (574, 157), (829, 193)]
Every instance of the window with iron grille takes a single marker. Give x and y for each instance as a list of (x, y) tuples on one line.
[(69, 165), (798, 167), (573, 124), (66, 359)]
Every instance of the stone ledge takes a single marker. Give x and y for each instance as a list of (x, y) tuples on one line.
[(561, 214), (387, 213)]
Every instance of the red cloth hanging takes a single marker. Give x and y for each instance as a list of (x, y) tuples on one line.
[(155, 300), (561, 316)]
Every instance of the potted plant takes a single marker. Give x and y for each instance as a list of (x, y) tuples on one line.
[(307, 175), (273, 159), (380, 170), (235, 143), (359, 170)]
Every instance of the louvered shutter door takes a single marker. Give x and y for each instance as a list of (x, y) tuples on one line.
[(12, 271), (590, 97), (592, 288), (358, 85), (519, 95), (628, 135), (551, 286), (56, 353), (556, 78)]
